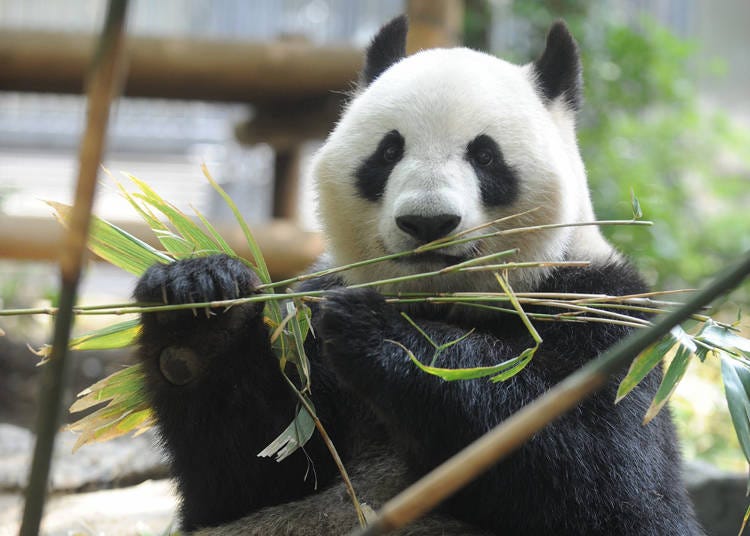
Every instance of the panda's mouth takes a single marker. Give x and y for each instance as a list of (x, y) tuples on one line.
[(432, 258)]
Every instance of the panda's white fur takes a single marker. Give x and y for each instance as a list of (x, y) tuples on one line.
[(437, 116)]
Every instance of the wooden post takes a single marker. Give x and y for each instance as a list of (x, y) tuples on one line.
[(286, 183), (434, 23)]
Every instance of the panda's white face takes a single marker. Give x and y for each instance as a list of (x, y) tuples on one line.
[(441, 142)]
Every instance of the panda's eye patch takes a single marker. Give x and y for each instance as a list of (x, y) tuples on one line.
[(391, 147), (392, 153), (498, 182), (372, 174), (483, 157), (483, 150)]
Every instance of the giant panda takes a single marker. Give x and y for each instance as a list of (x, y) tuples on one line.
[(429, 145)]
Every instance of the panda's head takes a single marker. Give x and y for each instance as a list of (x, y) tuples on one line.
[(446, 139)]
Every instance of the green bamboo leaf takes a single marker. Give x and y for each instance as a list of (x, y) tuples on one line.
[(471, 373), (736, 377), (635, 205), (117, 335), (672, 377), (299, 432), (111, 422), (225, 247), (643, 364), (151, 220), (125, 385), (126, 410), (523, 360), (744, 521), (724, 338), (300, 325), (182, 223), (260, 263), (115, 245), (175, 245)]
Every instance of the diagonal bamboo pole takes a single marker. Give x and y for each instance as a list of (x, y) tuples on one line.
[(471, 462), (105, 77)]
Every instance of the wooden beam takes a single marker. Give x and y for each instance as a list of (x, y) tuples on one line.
[(287, 249), (434, 24), (286, 125), (175, 68)]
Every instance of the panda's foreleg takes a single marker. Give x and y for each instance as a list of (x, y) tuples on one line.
[(218, 396), (596, 470)]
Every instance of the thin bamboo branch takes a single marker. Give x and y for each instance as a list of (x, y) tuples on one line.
[(105, 80), (471, 462), (331, 449)]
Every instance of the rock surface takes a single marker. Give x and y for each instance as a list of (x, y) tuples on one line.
[(147, 508), (718, 496), (120, 462)]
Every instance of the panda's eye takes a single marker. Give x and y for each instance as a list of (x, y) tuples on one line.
[(484, 157), (391, 153)]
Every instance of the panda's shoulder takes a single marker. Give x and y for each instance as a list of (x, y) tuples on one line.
[(614, 275)]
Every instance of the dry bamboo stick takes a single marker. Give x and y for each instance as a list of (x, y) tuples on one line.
[(104, 82)]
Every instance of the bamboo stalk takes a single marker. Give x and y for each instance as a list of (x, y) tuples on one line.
[(104, 81), (471, 462)]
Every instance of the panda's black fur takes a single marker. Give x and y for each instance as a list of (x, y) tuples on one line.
[(219, 399)]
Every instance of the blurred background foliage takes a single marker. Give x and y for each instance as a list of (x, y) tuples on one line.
[(644, 128)]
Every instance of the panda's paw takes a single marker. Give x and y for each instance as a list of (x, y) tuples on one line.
[(351, 324), (198, 280)]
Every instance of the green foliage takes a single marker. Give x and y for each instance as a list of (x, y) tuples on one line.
[(642, 129)]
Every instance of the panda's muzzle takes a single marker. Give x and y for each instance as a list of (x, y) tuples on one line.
[(428, 228)]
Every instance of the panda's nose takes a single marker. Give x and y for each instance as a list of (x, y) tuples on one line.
[(428, 228)]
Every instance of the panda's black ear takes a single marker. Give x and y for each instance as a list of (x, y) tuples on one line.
[(558, 69), (387, 47)]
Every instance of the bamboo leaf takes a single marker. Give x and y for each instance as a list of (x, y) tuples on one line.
[(523, 360), (153, 222), (260, 263), (177, 246), (299, 432), (470, 373), (117, 335), (126, 410), (300, 325), (124, 385), (225, 247), (744, 521), (643, 364), (115, 245), (111, 422), (672, 377), (201, 242), (635, 205), (723, 337), (736, 377)]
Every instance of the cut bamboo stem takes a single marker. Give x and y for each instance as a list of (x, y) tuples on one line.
[(104, 82), (485, 452)]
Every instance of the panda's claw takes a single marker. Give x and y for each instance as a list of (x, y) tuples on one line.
[(203, 279)]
